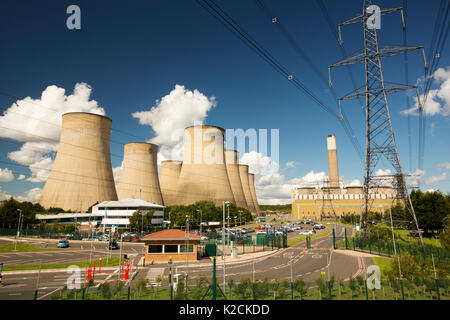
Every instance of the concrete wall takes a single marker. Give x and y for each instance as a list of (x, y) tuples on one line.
[(81, 174), (203, 174), (243, 174), (170, 172), (231, 161), (139, 176), (251, 183)]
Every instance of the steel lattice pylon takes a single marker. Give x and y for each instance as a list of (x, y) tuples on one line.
[(380, 139)]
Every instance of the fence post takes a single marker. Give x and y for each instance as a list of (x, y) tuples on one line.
[(83, 292), (403, 291), (345, 233), (129, 291), (367, 293), (35, 294), (334, 240), (438, 289)]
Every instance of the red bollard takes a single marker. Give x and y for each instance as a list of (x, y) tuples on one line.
[(121, 276), (127, 270), (89, 274), (93, 273), (100, 266)]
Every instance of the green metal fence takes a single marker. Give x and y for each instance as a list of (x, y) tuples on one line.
[(356, 289)]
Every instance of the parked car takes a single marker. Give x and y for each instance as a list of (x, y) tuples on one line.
[(204, 238), (113, 245), (306, 233), (260, 228), (63, 244)]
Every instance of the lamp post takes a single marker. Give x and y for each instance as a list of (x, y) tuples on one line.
[(186, 250), (235, 217), (223, 244), (240, 218), (199, 210), (18, 228)]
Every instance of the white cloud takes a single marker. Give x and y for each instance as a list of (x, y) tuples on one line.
[(6, 175), (21, 177), (4, 195), (116, 174), (434, 179), (171, 115), (31, 195), (438, 100), (292, 164), (415, 178), (444, 166), (37, 122)]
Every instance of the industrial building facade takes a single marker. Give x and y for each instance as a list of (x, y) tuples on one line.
[(331, 200)]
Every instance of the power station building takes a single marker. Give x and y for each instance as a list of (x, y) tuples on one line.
[(204, 175), (333, 200), (81, 174), (139, 177)]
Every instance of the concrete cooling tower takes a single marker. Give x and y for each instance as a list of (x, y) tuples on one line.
[(332, 161), (231, 161), (139, 177), (170, 172), (251, 183), (243, 174), (203, 174), (81, 174)]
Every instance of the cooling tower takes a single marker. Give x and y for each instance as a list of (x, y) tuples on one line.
[(243, 174), (139, 176), (231, 161), (203, 174), (332, 161), (170, 172), (81, 174), (251, 183)]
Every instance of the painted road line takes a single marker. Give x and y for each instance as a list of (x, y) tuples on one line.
[(45, 295), (14, 294)]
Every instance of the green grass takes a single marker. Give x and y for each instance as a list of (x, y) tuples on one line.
[(383, 264), (113, 262), (22, 247), (303, 238), (404, 237)]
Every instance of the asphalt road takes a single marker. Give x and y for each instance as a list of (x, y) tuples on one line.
[(78, 251), (295, 262)]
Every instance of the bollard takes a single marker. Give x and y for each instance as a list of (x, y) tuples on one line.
[(100, 266), (93, 273), (89, 274)]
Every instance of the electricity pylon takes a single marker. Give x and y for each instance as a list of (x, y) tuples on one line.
[(380, 140)]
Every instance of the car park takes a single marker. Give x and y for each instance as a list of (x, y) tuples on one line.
[(63, 244)]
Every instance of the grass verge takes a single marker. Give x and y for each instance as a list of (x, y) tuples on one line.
[(22, 247), (113, 262), (303, 238)]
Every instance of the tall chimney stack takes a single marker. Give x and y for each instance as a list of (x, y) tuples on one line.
[(332, 161)]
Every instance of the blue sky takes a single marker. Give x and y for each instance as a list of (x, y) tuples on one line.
[(133, 54)]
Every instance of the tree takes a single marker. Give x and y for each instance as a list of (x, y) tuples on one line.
[(301, 287), (138, 217), (444, 236), (431, 208)]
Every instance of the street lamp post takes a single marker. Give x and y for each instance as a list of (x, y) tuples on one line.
[(235, 217), (199, 210), (240, 218), (223, 244), (186, 250), (18, 228)]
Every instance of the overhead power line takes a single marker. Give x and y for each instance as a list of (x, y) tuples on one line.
[(213, 9)]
